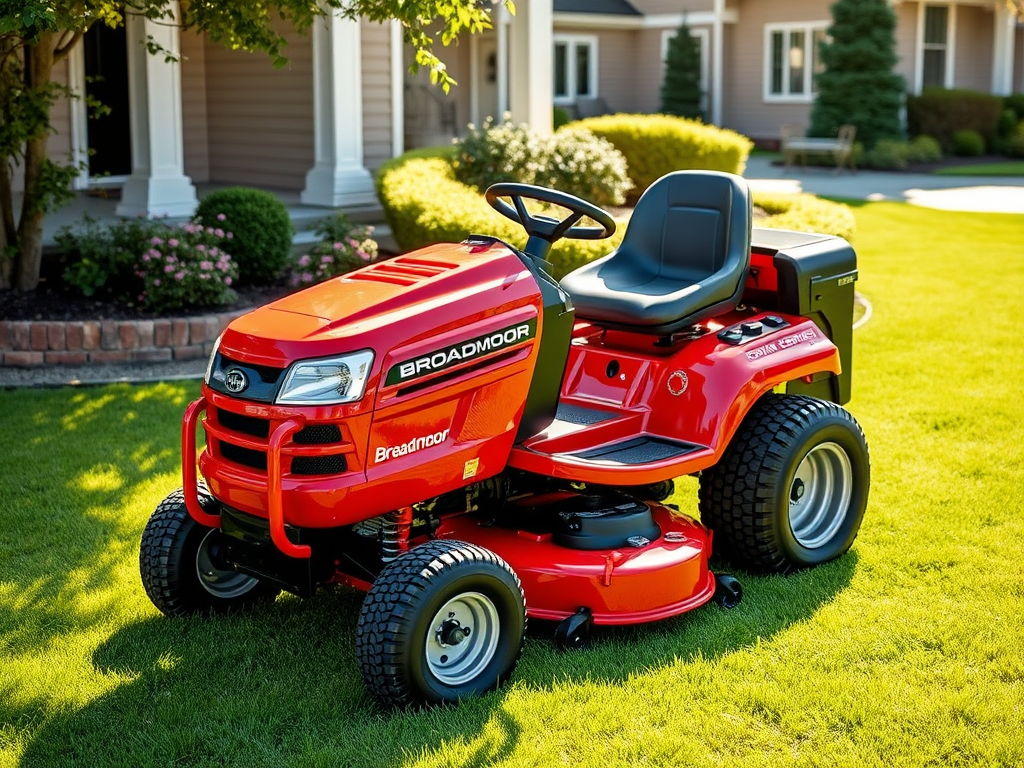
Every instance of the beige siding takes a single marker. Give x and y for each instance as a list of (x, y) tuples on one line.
[(647, 68), (906, 42), (260, 120), (376, 44), (744, 106), (649, 7), (193, 108), (974, 38), (617, 80)]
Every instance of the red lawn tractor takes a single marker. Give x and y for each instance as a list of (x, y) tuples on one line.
[(472, 442)]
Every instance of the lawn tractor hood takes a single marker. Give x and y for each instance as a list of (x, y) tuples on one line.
[(416, 373)]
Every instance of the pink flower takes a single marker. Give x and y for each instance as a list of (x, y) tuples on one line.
[(206, 265), (173, 243), (179, 276), (327, 260), (157, 281), (227, 280), (338, 246), (218, 232), (169, 268), (364, 255), (304, 260), (145, 257), (230, 235), (201, 248), (307, 277), (221, 217), (156, 241)]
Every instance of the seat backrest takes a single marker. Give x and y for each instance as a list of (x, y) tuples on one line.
[(691, 225)]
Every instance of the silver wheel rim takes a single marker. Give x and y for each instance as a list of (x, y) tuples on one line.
[(819, 495), (462, 638), (224, 584)]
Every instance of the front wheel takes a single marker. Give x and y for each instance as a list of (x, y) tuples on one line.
[(442, 622), (791, 489), (181, 566)]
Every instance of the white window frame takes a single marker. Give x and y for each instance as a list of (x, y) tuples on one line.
[(786, 28), (572, 42), (705, 60), (950, 46)]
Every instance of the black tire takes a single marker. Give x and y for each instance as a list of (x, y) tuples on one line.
[(403, 656), (756, 499), (176, 549)]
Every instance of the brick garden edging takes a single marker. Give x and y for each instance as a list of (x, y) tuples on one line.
[(32, 344)]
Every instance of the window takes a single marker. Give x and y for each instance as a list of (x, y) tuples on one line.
[(701, 36), (935, 45), (575, 65), (793, 60)]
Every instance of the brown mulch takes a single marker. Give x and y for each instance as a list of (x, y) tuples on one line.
[(47, 303)]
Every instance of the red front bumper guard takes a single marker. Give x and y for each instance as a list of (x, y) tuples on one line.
[(275, 506)]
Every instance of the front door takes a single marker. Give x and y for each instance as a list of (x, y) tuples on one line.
[(106, 80)]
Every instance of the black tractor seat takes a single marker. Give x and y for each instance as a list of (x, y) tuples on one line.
[(684, 257)]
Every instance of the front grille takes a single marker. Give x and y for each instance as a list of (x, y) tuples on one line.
[(244, 456), (248, 425), (318, 434), (319, 465), (267, 374)]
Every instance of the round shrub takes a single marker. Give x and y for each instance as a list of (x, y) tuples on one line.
[(968, 143), (924, 149), (805, 213), (261, 226), (491, 153), (1015, 141), (658, 144), (888, 155)]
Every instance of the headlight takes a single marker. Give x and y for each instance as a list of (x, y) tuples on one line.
[(327, 381), (213, 356)]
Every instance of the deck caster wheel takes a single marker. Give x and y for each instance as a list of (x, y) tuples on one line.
[(573, 634), (728, 591)]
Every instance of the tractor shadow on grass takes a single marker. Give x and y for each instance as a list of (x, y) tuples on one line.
[(280, 684)]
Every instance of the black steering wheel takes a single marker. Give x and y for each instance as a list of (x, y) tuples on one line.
[(545, 227)]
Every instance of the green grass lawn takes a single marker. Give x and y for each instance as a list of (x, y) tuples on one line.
[(986, 169), (909, 651)]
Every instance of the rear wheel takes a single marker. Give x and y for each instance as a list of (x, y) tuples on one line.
[(442, 622), (181, 566), (791, 489)]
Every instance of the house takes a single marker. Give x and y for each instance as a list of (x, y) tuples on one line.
[(346, 103)]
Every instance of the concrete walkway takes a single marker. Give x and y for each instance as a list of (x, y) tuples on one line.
[(990, 194)]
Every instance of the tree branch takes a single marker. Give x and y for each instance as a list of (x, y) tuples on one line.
[(64, 49)]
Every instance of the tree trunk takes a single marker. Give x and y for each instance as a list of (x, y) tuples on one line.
[(39, 64), (8, 235)]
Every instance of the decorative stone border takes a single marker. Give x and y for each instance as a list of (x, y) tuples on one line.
[(33, 344)]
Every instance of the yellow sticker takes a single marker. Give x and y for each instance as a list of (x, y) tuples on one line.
[(470, 469)]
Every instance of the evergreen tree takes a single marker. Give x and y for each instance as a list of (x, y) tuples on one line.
[(858, 85), (680, 91)]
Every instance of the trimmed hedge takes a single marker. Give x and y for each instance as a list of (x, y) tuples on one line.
[(424, 204), (805, 213), (941, 113), (658, 144)]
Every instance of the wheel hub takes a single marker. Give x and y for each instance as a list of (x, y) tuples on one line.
[(215, 576), (463, 638), (820, 494)]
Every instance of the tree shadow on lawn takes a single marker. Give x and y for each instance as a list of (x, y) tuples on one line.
[(280, 684)]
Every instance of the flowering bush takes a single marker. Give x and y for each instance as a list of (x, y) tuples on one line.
[(572, 160), (184, 266), (342, 248)]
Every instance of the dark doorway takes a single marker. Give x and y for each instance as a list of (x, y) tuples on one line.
[(106, 79)]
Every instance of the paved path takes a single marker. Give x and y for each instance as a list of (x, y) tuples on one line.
[(952, 193)]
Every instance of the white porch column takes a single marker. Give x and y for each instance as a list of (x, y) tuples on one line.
[(157, 185), (338, 177), (717, 68), (504, 20), (531, 92), (1002, 50)]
